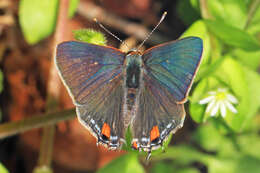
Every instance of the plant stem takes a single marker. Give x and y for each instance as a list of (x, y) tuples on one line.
[(204, 9), (53, 89), (13, 128), (252, 10)]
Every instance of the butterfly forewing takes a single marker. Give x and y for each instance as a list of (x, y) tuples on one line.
[(174, 65), (93, 76), (86, 67)]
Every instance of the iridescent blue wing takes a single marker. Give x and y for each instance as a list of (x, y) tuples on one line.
[(168, 73), (86, 67), (93, 77), (174, 65)]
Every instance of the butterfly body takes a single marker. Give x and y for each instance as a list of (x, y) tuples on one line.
[(145, 91)]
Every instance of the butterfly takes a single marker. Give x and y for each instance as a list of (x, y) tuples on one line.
[(145, 91)]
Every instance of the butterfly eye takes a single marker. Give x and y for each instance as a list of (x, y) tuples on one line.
[(105, 132)]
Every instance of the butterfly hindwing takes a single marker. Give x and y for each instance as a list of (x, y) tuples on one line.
[(93, 76), (174, 65), (156, 117)]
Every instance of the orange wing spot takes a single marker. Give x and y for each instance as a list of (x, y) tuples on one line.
[(135, 145), (106, 130), (154, 133)]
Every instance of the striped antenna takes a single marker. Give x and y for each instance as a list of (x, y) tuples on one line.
[(147, 37), (105, 29)]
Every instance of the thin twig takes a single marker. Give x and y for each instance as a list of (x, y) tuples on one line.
[(91, 11), (252, 10), (13, 128)]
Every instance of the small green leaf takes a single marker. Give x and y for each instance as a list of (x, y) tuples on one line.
[(90, 36), (233, 36), (127, 163), (197, 112), (3, 169), (37, 19), (73, 7)]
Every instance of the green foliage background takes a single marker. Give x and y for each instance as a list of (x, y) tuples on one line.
[(230, 59)]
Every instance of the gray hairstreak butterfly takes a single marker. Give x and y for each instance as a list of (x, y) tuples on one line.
[(145, 91)]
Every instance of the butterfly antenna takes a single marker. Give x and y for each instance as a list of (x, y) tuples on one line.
[(105, 29), (148, 36)]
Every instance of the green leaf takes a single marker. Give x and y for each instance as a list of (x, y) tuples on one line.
[(127, 163), (187, 12), (252, 140), (185, 154), (233, 36), (234, 164), (250, 59), (197, 112), (207, 70), (3, 169), (233, 75), (253, 80), (233, 12), (73, 7), (37, 19), (90, 36), (208, 137), (187, 170), (161, 167)]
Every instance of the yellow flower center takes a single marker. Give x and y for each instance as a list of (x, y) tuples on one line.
[(221, 96)]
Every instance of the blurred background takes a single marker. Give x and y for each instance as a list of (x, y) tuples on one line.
[(222, 125)]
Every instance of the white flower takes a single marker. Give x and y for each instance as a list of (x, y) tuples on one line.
[(219, 99)]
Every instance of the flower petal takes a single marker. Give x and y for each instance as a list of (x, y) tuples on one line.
[(210, 105), (215, 109), (206, 100), (223, 109), (222, 89), (230, 107), (212, 92), (232, 98)]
